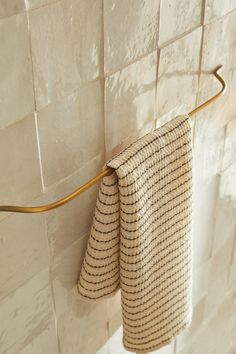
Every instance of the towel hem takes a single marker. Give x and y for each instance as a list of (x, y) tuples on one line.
[(162, 344)]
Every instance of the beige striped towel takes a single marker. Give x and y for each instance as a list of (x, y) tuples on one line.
[(141, 237)]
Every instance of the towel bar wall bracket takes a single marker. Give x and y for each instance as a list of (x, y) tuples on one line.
[(106, 171)]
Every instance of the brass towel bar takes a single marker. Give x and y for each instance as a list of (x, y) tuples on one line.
[(106, 171)]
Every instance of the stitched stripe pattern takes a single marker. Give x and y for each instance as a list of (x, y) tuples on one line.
[(141, 237)]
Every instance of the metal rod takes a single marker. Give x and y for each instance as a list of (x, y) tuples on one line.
[(107, 171)]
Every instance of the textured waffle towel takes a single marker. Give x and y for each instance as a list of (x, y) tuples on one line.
[(141, 237)]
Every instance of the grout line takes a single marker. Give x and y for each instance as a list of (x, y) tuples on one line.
[(222, 169), (220, 18), (157, 68), (136, 60), (203, 12), (200, 62), (39, 151), (21, 12), (31, 59), (26, 10), (102, 79), (53, 301), (75, 91), (166, 44), (157, 73), (174, 39), (175, 345)]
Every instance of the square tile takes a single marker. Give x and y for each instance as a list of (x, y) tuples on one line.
[(219, 48), (200, 281), (129, 100), (26, 314), (44, 343), (71, 132), (34, 4), (208, 147), (225, 223), (130, 31), (83, 329), (24, 250), (65, 269), (230, 144), (228, 183), (204, 201), (16, 85), (216, 8), (66, 43), (178, 17), (20, 178), (9, 8), (178, 73)]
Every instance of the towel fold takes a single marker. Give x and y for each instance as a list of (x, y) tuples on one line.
[(141, 237)]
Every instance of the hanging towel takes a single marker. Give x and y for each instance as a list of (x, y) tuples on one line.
[(141, 237)]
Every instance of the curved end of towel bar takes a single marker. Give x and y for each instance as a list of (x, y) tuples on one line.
[(106, 171), (212, 99), (66, 199)]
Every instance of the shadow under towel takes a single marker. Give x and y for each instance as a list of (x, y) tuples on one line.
[(141, 237)]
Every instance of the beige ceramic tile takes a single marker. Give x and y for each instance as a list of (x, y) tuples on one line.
[(147, 128), (178, 110), (232, 273), (65, 47), (129, 100), (9, 8), (16, 86), (225, 223), (204, 201), (34, 4), (200, 281), (83, 329), (208, 148), (178, 73), (71, 221), (45, 343), (71, 132), (217, 115), (220, 330), (115, 337), (65, 272), (115, 328), (230, 144), (26, 314), (217, 8), (24, 250), (228, 183), (217, 333), (218, 276), (178, 17), (218, 43), (20, 177), (130, 31), (222, 258), (219, 48)]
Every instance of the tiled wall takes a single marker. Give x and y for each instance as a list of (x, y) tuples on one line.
[(79, 80)]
